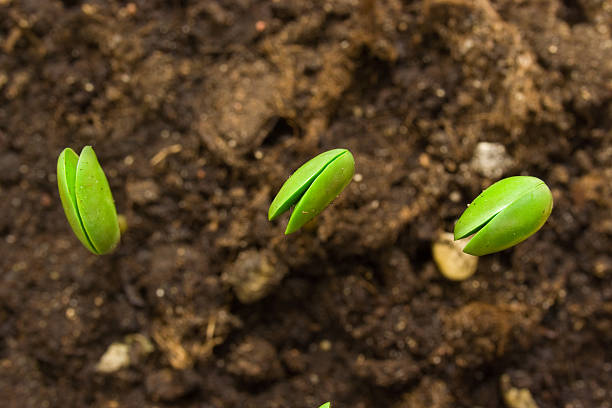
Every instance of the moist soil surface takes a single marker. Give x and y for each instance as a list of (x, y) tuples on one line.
[(199, 110)]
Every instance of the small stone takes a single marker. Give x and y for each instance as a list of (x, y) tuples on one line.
[(122, 355), (455, 196), (254, 274), (452, 262), (516, 397), (116, 357), (325, 345), (491, 160)]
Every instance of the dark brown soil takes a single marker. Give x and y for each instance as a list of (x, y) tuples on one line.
[(199, 109)]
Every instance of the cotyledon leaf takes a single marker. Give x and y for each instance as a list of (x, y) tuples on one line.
[(66, 176), (296, 185), (505, 214), (87, 200), (491, 201), (313, 186)]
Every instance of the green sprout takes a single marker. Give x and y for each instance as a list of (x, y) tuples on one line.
[(326, 405), (506, 213), (313, 186), (87, 200)]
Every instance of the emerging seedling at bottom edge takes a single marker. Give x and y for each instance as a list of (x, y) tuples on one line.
[(505, 214), (87, 200), (313, 186), (326, 405)]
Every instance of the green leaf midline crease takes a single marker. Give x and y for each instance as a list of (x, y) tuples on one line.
[(78, 213), (484, 223), (318, 174)]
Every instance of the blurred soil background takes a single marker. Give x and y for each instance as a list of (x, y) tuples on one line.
[(199, 110)]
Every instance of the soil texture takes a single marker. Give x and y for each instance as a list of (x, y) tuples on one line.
[(199, 110)]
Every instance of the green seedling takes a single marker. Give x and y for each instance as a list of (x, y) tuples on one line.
[(313, 186), (87, 200), (506, 213), (326, 405)]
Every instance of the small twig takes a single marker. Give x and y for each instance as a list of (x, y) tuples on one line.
[(163, 153), (210, 328)]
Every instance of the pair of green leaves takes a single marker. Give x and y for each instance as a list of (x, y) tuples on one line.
[(506, 213), (87, 200), (312, 187)]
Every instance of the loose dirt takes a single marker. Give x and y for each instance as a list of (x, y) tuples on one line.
[(199, 110)]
